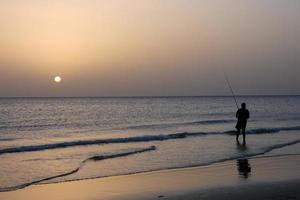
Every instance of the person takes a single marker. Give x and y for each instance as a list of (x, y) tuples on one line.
[(242, 115)]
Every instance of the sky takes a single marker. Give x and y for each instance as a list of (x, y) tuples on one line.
[(149, 47)]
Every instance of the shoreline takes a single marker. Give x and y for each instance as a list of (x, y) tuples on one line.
[(259, 156), (41, 182), (181, 183)]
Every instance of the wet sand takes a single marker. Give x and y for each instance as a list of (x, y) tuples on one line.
[(256, 178)]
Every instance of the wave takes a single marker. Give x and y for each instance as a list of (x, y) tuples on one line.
[(268, 130), (276, 146), (144, 138), (122, 154), (142, 150), (7, 139), (93, 158), (25, 127), (165, 125), (250, 155), (218, 121), (28, 127), (289, 118)]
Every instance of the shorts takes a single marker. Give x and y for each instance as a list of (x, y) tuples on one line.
[(241, 124)]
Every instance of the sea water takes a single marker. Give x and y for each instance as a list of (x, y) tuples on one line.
[(45, 140)]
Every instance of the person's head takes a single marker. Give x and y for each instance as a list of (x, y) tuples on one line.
[(243, 105)]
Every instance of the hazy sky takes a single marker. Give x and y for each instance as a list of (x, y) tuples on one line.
[(149, 47)]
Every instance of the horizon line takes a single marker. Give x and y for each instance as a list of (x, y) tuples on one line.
[(149, 96)]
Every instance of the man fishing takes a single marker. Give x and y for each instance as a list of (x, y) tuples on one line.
[(242, 115)]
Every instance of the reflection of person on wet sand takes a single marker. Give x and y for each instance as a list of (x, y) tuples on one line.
[(243, 164), (244, 167), (241, 147)]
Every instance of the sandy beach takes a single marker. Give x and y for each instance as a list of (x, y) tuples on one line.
[(255, 178)]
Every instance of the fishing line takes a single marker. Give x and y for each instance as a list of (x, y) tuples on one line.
[(229, 85)]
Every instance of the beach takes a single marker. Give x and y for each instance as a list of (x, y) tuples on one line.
[(274, 177)]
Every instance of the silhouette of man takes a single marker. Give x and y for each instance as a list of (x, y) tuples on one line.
[(242, 115)]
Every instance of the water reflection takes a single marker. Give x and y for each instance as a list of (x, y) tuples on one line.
[(243, 165), (241, 147), (244, 168)]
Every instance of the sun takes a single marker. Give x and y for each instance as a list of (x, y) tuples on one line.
[(57, 79)]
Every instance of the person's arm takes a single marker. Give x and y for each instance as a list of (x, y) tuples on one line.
[(237, 114), (248, 114)]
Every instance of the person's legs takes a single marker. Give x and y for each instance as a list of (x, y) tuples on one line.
[(244, 135), (238, 131)]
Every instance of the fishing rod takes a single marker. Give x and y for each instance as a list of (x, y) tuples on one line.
[(233, 95)]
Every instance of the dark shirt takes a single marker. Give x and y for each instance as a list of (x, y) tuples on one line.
[(242, 114)]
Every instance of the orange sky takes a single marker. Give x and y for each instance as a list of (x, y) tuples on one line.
[(148, 47)]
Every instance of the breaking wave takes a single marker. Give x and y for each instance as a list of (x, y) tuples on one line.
[(165, 125), (28, 127), (145, 138), (93, 158), (125, 153), (268, 130)]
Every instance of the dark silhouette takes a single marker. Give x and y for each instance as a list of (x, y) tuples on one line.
[(242, 115), (244, 168), (243, 165)]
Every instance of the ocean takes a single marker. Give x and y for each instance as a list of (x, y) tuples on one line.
[(49, 140)]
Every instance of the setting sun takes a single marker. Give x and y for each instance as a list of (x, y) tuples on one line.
[(57, 79)]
